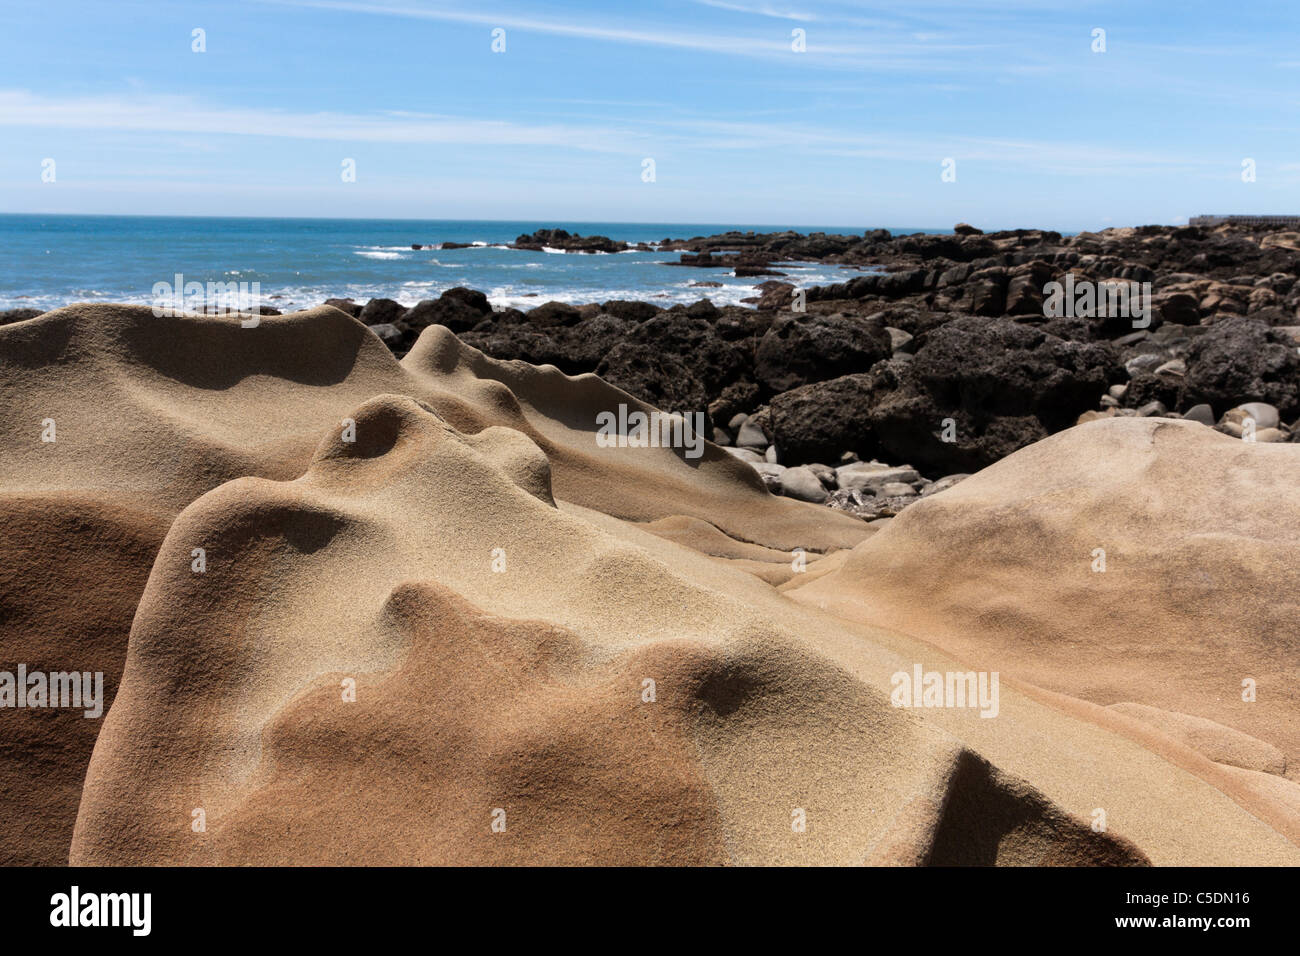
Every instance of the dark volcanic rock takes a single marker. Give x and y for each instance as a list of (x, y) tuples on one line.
[(18, 315), (1243, 360), (551, 314), (736, 398), (887, 284), (802, 348), (979, 389), (654, 376), (397, 341), (1024, 295), (568, 241), (713, 360), (380, 311), (678, 355), (1177, 307), (346, 305), (1146, 387), (985, 371), (1074, 329), (471, 298), (572, 349), (584, 345), (976, 390), (523, 343), (737, 324), (999, 367), (636, 311), (674, 356), (772, 295), (985, 293), (459, 309), (816, 423), (702, 308)]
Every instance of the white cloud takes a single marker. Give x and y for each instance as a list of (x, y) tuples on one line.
[(759, 9), (876, 52), (180, 114), (662, 137)]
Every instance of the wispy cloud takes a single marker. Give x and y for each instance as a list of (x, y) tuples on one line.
[(900, 50), (758, 9), (645, 136), (679, 39), (182, 114)]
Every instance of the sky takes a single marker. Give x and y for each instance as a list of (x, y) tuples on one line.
[(917, 113)]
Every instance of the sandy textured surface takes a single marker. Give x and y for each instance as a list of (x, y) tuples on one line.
[(472, 615)]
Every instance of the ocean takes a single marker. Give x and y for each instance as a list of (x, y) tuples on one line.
[(47, 261)]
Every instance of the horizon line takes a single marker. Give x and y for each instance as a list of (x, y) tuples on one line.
[(608, 222)]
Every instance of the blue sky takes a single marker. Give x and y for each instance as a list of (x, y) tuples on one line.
[(742, 128)]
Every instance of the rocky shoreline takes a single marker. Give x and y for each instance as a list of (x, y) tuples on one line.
[(943, 355)]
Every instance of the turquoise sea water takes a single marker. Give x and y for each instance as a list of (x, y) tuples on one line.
[(50, 261)]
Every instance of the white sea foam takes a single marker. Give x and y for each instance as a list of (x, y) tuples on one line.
[(562, 281), (508, 295), (517, 297)]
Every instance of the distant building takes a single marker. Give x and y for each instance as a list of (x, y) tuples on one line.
[(1291, 221)]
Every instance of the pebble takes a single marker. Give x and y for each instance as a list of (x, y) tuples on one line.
[(827, 475), (863, 466), (1200, 413), (896, 489), (1141, 363), (802, 483), (1174, 369), (1265, 415), (871, 490), (865, 506), (898, 339), (772, 476), (751, 436), (943, 484), (874, 481)]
